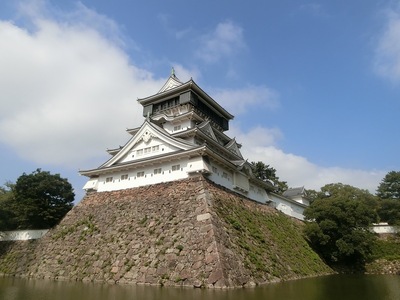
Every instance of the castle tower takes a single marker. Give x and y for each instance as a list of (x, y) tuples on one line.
[(182, 135)]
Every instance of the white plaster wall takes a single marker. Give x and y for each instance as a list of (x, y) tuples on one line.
[(301, 200), (22, 235), (197, 164), (218, 177), (378, 228), (287, 207), (241, 181), (149, 176), (259, 194), (92, 184), (133, 155), (254, 193), (185, 124), (222, 177)]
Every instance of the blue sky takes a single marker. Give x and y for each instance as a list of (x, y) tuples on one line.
[(314, 85)]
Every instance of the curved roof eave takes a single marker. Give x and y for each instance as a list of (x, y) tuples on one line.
[(184, 87), (215, 143), (160, 96)]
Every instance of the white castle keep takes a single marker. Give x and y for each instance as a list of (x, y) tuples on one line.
[(183, 135)]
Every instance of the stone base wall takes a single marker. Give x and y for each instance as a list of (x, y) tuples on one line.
[(174, 233), (383, 266)]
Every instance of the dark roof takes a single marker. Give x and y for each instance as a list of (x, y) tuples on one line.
[(293, 192)]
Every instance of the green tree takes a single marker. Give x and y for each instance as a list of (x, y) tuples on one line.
[(339, 224), (267, 173), (311, 194), (389, 188), (6, 214), (41, 199), (389, 193), (389, 211)]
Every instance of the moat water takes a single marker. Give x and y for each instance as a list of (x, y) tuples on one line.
[(336, 287)]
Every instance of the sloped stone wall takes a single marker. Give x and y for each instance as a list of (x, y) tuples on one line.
[(171, 233)]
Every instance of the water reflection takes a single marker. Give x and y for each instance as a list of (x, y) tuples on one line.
[(349, 287)]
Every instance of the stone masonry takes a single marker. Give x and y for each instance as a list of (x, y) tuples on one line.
[(164, 234)]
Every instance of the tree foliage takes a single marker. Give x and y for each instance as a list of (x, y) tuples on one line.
[(389, 188), (389, 193), (37, 200), (311, 194), (389, 211), (339, 223), (6, 214), (267, 173)]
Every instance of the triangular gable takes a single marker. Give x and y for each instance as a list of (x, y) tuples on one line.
[(233, 147), (145, 134), (171, 83), (207, 129)]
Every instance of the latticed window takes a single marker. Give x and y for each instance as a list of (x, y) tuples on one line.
[(109, 179), (176, 167), (140, 174), (157, 171), (124, 177)]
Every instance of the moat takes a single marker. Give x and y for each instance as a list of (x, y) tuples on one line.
[(343, 287)]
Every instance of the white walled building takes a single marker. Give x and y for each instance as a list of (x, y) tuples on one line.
[(182, 135), (288, 206)]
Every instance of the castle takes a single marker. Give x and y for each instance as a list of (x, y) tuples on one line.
[(183, 135), (176, 205)]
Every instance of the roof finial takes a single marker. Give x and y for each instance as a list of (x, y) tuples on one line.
[(173, 72)]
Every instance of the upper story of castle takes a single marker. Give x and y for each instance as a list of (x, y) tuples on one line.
[(183, 105)]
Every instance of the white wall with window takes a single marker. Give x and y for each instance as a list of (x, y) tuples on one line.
[(184, 168), (176, 127), (226, 178), (140, 176), (144, 150)]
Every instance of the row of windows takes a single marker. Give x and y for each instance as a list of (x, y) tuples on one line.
[(224, 174), (141, 173), (166, 104), (147, 150)]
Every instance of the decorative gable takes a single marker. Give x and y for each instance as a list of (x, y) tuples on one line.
[(206, 128), (147, 142), (171, 83), (233, 147)]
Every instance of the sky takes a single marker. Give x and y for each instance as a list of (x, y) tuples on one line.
[(314, 85)]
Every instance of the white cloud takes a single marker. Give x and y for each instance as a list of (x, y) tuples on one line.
[(238, 100), (67, 90), (260, 144), (226, 40), (387, 53), (256, 137)]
